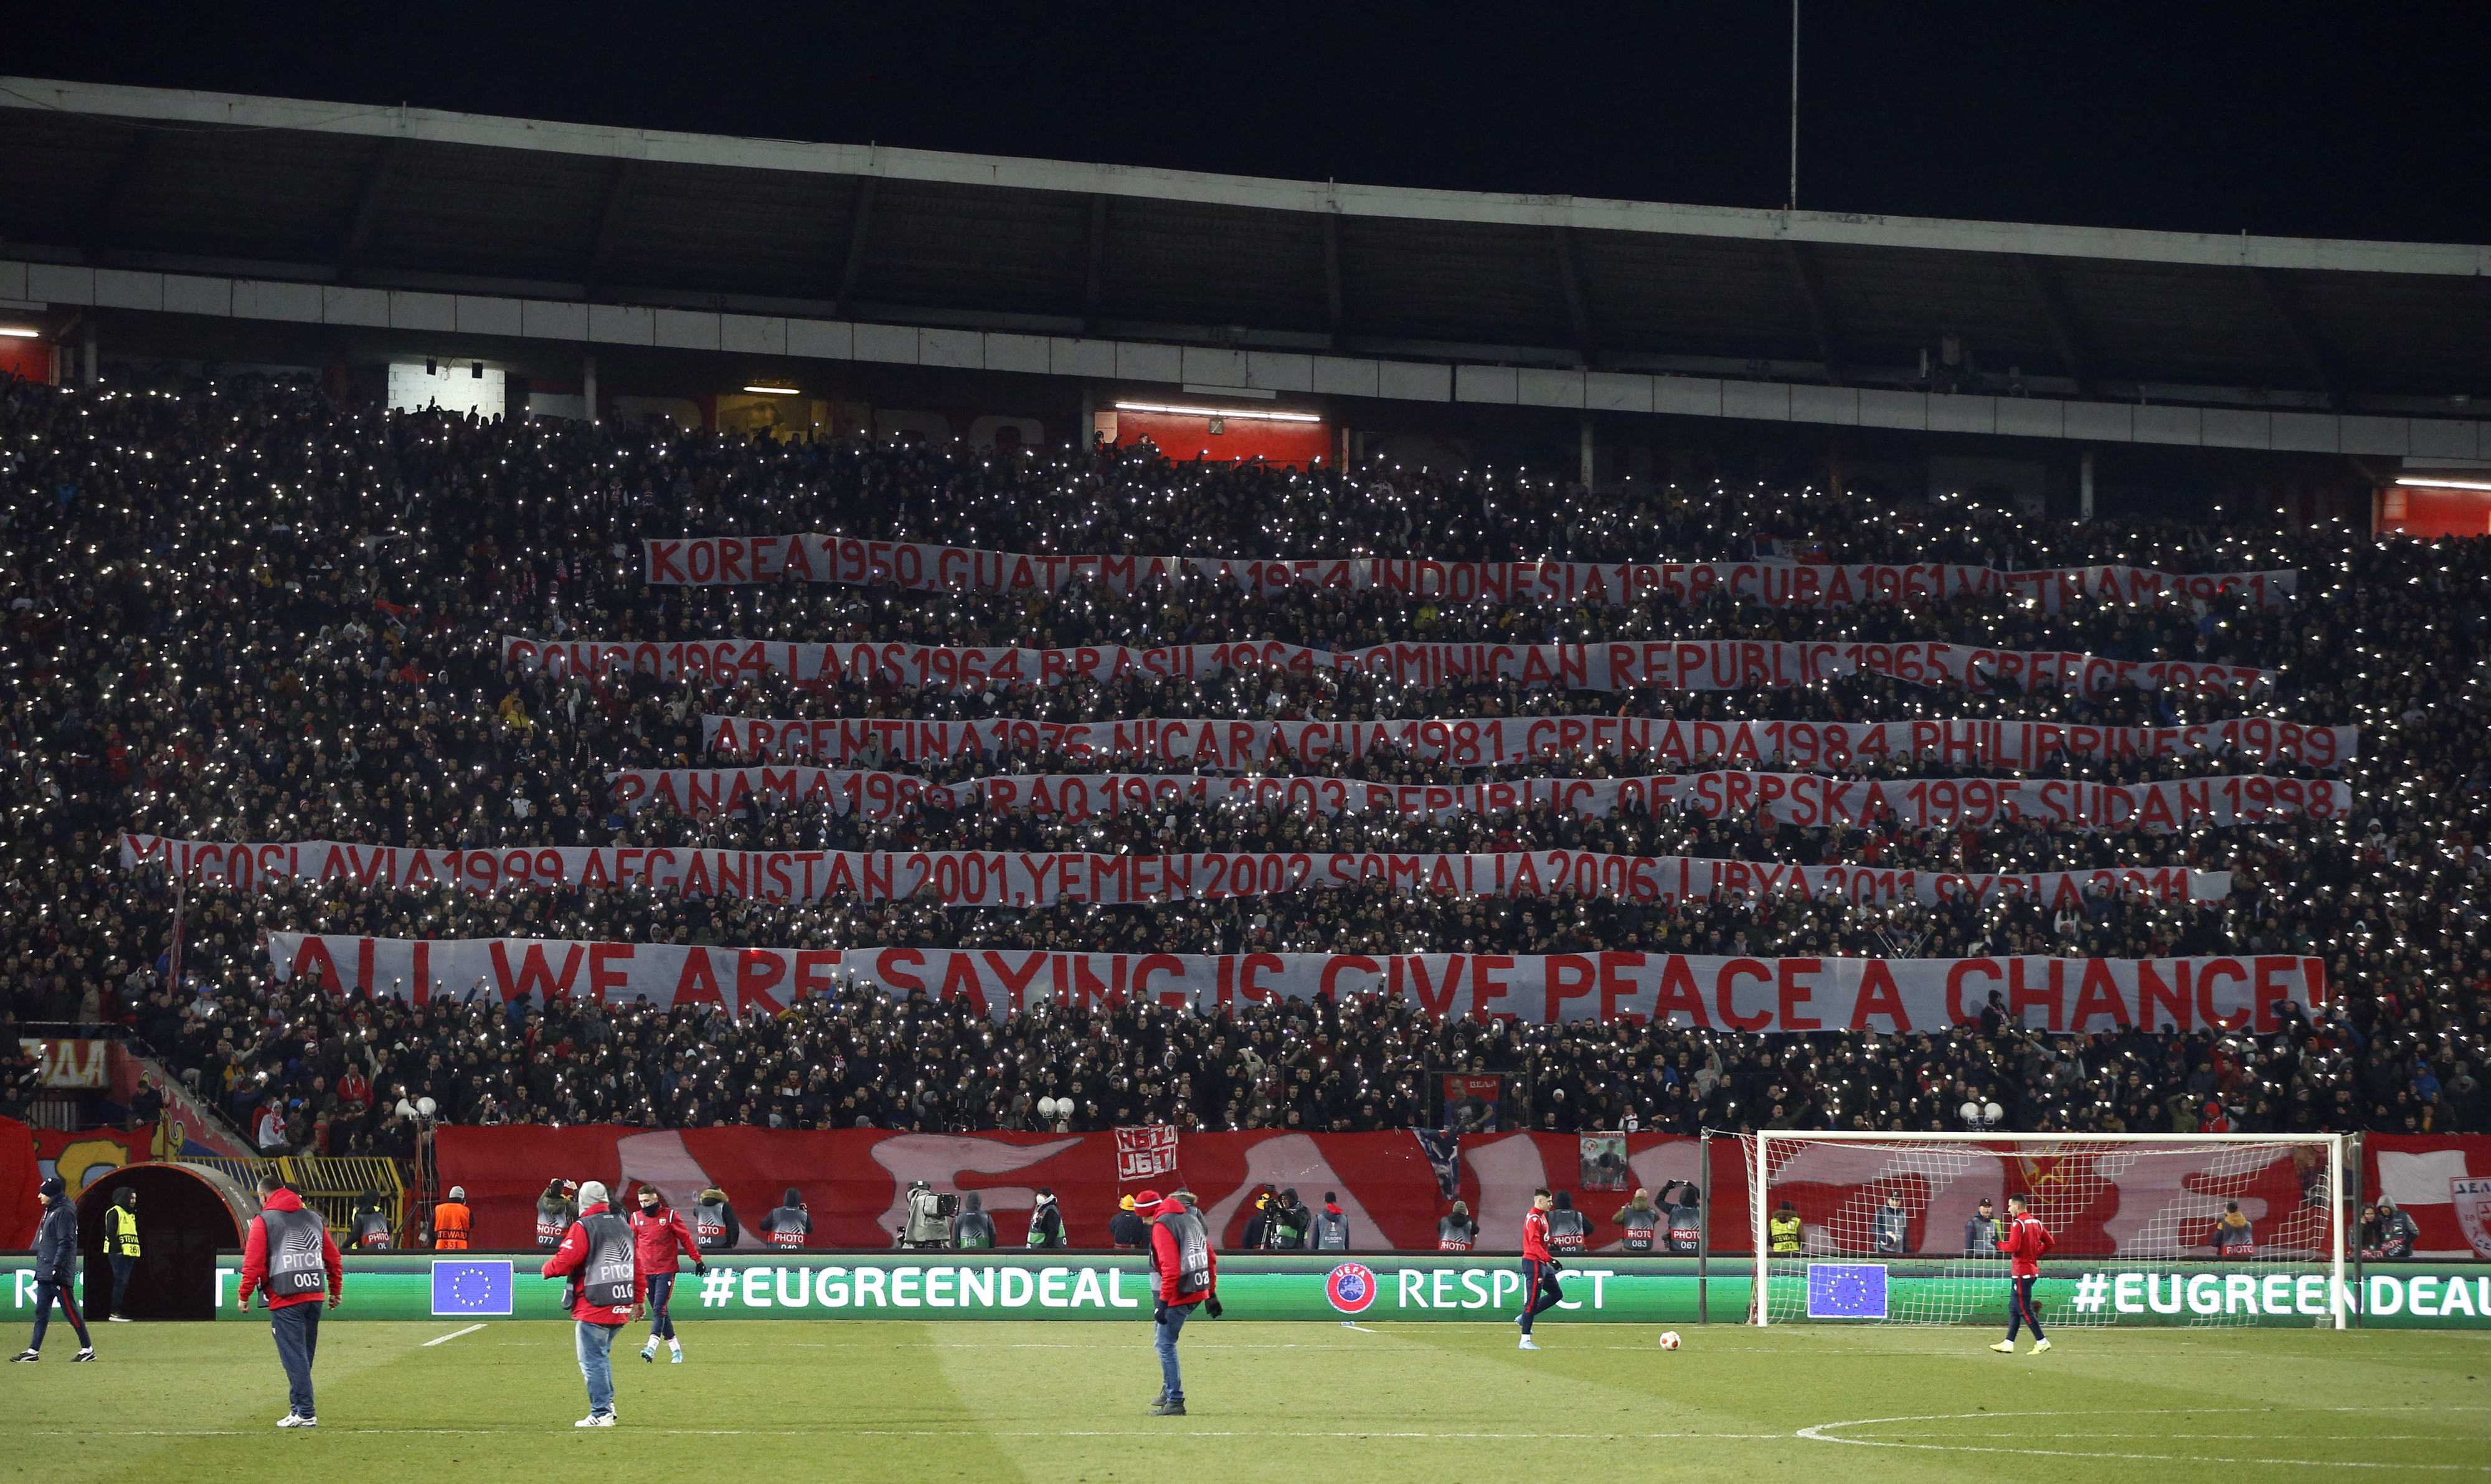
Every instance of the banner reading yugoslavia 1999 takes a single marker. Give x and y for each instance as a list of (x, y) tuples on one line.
[(1390, 1288)]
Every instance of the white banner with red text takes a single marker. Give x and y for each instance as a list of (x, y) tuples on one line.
[(1022, 879), (702, 561), (1485, 741), (1805, 800), (1723, 664), (1782, 995)]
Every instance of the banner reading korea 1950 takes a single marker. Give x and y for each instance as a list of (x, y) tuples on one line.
[(917, 566), (1479, 741), (1721, 664), (1761, 994)]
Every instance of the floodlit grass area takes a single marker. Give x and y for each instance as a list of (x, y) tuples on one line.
[(1067, 1401)]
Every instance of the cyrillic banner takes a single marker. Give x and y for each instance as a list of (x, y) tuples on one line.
[(1721, 664), (1804, 800), (1477, 741), (1772, 996), (700, 561), (1022, 879)]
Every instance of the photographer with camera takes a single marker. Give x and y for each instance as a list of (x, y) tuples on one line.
[(928, 1227), (975, 1230)]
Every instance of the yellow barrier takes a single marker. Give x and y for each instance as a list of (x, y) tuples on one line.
[(331, 1185)]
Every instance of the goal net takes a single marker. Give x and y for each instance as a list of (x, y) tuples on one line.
[(2169, 1229)]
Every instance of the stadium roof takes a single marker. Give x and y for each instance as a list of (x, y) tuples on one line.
[(279, 188)]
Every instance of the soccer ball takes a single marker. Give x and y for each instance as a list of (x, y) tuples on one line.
[(1669, 1339)]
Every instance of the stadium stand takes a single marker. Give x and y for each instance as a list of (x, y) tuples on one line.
[(243, 613)]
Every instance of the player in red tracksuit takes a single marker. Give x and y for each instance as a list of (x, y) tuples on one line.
[(1539, 1290), (2027, 1242), (657, 1232)]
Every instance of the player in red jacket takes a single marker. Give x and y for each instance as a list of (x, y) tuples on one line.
[(657, 1232), (2026, 1243), (1539, 1290)]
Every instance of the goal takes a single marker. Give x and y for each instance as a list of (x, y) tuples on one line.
[(1889, 1227)]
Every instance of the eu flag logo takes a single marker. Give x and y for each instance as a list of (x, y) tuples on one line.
[(1846, 1290), (471, 1288)]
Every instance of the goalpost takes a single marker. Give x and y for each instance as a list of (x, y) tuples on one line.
[(2136, 1218)]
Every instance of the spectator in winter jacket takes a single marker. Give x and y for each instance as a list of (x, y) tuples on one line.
[(597, 1255), (1046, 1222), (1126, 1231), (1981, 1232), (657, 1232), (2388, 1234), (1892, 1227), (1331, 1228), (289, 1260), (56, 1250), (1187, 1276)]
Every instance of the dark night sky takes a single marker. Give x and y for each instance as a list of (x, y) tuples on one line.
[(2359, 120)]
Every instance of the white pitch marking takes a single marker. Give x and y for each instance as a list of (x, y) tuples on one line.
[(451, 1335), (1820, 1434)]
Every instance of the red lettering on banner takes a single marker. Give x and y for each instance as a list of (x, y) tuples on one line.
[(1795, 996), (961, 980), (1955, 976), (2156, 993), (698, 983), (1679, 994), (1879, 995), (2097, 993), (313, 958), (1725, 989), (535, 973), (757, 972), (2220, 969), (1565, 976)]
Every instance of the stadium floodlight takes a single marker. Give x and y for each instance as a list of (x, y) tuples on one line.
[(764, 389), (17, 332), (2133, 1214), (2446, 483), (1243, 413)]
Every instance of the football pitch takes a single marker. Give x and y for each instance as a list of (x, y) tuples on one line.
[(1067, 1401)]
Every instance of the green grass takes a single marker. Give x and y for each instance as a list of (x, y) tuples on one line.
[(1065, 1402)]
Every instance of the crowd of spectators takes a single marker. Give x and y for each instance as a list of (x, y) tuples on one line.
[(241, 612)]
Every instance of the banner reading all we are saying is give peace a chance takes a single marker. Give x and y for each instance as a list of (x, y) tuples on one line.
[(1754, 995)]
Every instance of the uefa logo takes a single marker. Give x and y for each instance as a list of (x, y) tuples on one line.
[(1351, 1288)]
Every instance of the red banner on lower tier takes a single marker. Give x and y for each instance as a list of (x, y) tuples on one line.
[(1761, 995), (2097, 1199)]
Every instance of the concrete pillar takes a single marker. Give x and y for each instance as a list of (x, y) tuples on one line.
[(1587, 453), (1085, 437), (2084, 485), (93, 356), (588, 385)]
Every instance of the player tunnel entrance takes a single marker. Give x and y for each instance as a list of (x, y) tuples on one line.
[(190, 1218)]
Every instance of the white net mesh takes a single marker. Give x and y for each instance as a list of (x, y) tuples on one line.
[(1913, 1209)]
